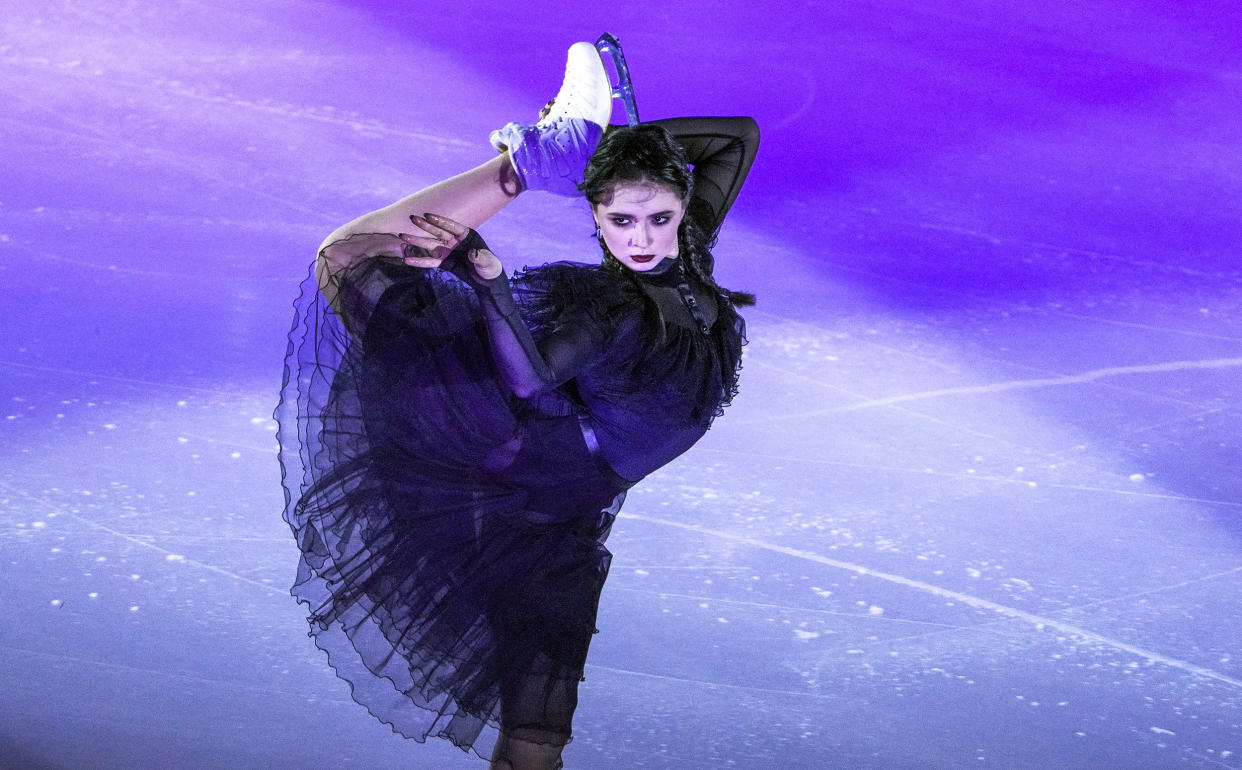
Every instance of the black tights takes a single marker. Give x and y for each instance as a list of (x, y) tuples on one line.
[(536, 720)]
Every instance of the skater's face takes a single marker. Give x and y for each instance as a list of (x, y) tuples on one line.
[(639, 223)]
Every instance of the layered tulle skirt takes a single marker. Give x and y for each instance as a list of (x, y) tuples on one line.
[(451, 536)]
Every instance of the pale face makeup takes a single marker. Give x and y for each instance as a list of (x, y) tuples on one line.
[(639, 224)]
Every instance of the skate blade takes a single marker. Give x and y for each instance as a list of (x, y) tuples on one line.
[(622, 88)]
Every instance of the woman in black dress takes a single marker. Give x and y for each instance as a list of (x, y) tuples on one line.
[(455, 445)]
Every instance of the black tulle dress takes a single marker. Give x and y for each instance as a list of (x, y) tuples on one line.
[(451, 533)]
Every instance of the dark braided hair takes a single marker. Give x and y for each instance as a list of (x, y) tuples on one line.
[(647, 153)]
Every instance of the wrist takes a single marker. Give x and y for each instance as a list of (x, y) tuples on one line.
[(498, 306)]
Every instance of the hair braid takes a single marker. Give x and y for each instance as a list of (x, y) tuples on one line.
[(695, 248)]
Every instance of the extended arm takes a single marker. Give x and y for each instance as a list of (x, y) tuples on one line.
[(721, 151), (529, 368)]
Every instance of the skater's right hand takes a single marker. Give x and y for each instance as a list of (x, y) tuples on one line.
[(451, 246)]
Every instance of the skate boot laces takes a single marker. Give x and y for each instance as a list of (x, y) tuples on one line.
[(586, 92)]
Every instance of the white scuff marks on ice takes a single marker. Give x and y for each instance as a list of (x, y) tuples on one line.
[(1017, 584), (1136, 477), (886, 544), (1078, 634), (875, 611), (974, 573), (1162, 731), (803, 636), (705, 493)]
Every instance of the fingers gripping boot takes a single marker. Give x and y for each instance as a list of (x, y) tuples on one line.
[(552, 154)]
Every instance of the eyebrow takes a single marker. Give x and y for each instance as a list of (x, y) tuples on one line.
[(665, 213)]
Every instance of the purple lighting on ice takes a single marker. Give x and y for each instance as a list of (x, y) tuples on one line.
[(977, 503)]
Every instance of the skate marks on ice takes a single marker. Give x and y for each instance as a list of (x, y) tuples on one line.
[(142, 541), (800, 364), (999, 387), (1040, 622)]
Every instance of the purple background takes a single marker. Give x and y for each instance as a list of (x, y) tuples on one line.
[(977, 504)]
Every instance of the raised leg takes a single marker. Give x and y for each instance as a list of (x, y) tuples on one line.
[(547, 156), (471, 198)]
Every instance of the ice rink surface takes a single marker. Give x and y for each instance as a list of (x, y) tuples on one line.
[(977, 505)]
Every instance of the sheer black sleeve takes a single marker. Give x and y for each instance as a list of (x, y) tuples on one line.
[(531, 368), (721, 151)]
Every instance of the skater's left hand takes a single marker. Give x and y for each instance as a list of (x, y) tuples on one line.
[(443, 241)]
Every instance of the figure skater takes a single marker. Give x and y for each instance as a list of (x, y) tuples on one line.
[(456, 444)]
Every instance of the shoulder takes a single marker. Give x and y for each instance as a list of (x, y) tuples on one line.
[(560, 272), (551, 293), (573, 283)]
